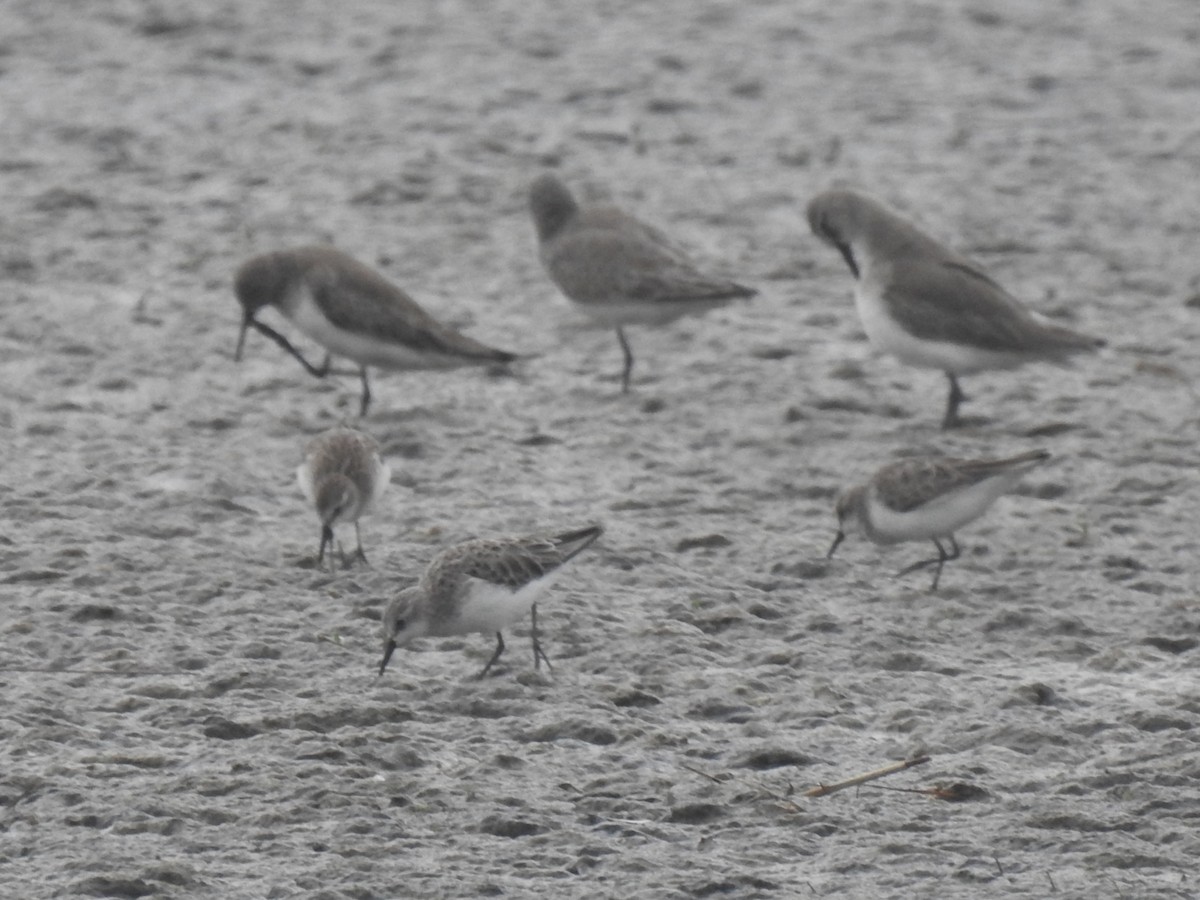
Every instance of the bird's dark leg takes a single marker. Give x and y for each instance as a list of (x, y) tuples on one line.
[(366, 394), (326, 541), (628, 360), (942, 558), (947, 557), (538, 653), (951, 419), (359, 552), (237, 353), (495, 656), (837, 542)]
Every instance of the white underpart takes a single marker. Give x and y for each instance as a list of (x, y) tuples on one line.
[(887, 336), (365, 351), (491, 607), (941, 516)]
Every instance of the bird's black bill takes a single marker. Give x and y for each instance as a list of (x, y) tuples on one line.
[(388, 650), (837, 540), (237, 354), (848, 256), (268, 331)]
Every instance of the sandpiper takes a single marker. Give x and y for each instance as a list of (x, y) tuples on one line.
[(352, 311), (343, 477), (927, 305), (929, 499), (618, 270), (482, 585)]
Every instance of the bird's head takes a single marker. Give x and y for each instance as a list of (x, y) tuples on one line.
[(848, 508), (839, 218), (401, 624), (551, 204), (259, 282)]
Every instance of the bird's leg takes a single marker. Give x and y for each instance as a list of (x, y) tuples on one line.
[(837, 542), (366, 393), (628, 360), (956, 397), (359, 552), (326, 541), (944, 558), (538, 653), (940, 560), (495, 656)]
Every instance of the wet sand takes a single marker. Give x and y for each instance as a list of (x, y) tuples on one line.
[(190, 705)]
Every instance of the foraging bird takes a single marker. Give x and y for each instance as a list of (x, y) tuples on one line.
[(927, 305), (343, 476), (482, 585), (929, 499), (616, 269), (352, 311)]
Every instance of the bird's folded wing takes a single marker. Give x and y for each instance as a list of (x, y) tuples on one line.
[(913, 483), (954, 302), (364, 303), (595, 266), (514, 564)]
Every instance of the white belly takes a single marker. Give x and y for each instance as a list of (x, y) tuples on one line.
[(491, 608)]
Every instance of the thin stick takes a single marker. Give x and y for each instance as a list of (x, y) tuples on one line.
[(782, 799), (822, 789), (714, 778)]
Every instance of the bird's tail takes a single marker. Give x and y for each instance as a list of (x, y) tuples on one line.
[(572, 543), (1061, 343)]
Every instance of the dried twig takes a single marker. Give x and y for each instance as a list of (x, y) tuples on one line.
[(784, 800), (822, 789), (719, 779)]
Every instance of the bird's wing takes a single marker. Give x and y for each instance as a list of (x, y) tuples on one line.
[(506, 562), (513, 563), (912, 483), (359, 300), (630, 264), (948, 300)]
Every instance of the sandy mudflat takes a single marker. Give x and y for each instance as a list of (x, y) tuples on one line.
[(190, 707)]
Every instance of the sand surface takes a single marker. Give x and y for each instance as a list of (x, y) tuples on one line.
[(190, 706)]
